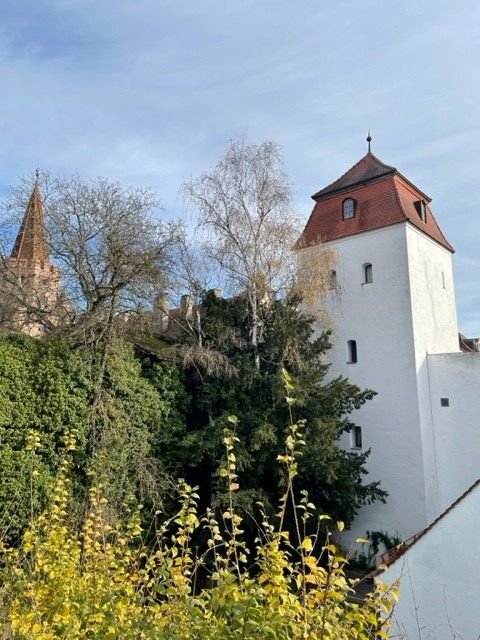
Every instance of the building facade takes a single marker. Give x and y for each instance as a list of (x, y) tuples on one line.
[(391, 308), (439, 590), (29, 281)]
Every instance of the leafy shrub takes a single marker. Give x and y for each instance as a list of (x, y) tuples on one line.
[(101, 582)]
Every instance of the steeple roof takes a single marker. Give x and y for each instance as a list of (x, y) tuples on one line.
[(367, 168), (31, 241), (382, 196)]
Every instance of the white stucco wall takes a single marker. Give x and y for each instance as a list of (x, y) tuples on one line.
[(455, 376), (439, 583), (434, 313), (435, 330), (378, 316)]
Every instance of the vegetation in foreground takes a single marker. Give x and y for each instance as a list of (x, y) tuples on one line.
[(102, 582), (139, 419)]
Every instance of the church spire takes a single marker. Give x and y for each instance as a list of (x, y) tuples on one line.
[(31, 241)]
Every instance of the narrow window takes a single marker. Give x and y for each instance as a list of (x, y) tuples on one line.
[(367, 273), (421, 210), (348, 208), (332, 279), (356, 435), (444, 284), (444, 402), (351, 351)]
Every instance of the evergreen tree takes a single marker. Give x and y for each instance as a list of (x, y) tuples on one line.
[(334, 478)]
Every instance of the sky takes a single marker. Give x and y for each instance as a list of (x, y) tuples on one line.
[(151, 92)]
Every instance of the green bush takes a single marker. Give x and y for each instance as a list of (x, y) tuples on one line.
[(102, 582)]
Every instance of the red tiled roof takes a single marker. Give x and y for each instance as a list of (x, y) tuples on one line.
[(383, 198), (367, 168), (31, 243), (468, 345), (391, 555)]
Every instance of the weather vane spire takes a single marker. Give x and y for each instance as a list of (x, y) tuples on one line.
[(369, 139), (37, 175)]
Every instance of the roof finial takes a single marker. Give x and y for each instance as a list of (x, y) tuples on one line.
[(37, 176), (369, 139)]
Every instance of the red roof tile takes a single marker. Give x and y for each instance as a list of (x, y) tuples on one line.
[(383, 197), (392, 555), (31, 242), (367, 168)]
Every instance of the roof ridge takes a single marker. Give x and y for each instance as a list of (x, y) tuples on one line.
[(379, 169), (413, 220), (438, 227), (399, 200), (347, 171), (384, 164), (404, 547)]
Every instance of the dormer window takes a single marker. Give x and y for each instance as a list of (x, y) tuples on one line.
[(348, 208), (421, 208)]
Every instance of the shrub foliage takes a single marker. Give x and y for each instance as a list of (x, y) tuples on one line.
[(101, 581)]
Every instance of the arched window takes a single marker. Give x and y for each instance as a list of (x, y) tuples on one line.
[(351, 351), (356, 437), (348, 208), (367, 273), (332, 279)]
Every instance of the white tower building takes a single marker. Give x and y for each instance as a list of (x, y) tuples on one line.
[(391, 308)]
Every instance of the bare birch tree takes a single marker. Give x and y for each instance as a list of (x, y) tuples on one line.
[(244, 207)]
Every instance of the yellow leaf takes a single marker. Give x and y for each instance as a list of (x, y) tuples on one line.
[(307, 544)]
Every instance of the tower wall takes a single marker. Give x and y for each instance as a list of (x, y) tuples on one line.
[(378, 316), (432, 294), (393, 306), (435, 330), (30, 283), (455, 377)]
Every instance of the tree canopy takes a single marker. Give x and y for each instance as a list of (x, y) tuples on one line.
[(108, 240), (255, 395), (47, 392)]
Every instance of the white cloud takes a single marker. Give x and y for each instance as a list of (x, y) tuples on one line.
[(151, 90)]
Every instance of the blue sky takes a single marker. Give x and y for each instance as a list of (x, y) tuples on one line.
[(151, 91)]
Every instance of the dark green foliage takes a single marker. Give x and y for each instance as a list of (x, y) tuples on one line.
[(333, 477), (42, 395), (147, 427), (46, 391), (135, 422)]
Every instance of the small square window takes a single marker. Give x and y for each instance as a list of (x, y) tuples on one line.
[(444, 402)]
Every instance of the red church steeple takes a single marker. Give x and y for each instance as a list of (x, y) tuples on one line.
[(30, 277), (31, 241)]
